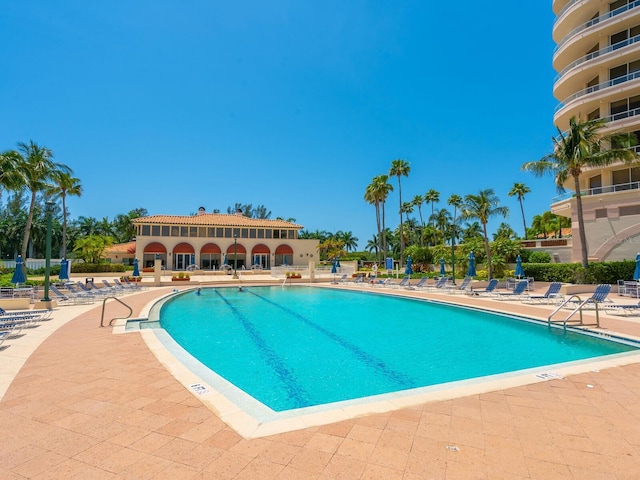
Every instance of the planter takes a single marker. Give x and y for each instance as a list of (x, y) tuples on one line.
[(294, 276), (131, 279), (177, 279)]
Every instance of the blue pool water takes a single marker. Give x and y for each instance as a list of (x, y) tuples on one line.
[(297, 347)]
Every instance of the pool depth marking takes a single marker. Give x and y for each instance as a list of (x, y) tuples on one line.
[(294, 389), (400, 379)]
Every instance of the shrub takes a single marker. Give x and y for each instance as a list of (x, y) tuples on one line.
[(539, 257), (97, 267)]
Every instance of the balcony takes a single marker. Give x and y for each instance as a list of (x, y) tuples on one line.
[(595, 88), (621, 187), (595, 21), (601, 52)]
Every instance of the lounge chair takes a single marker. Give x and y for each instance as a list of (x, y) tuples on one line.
[(359, 278), (464, 287), (128, 287), (633, 309), (599, 296), (439, 285), (33, 314), (489, 290), (552, 295), (71, 297), (421, 283), (516, 294), (404, 283), (381, 283), (342, 279)]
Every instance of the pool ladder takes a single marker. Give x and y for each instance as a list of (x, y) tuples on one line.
[(581, 305)]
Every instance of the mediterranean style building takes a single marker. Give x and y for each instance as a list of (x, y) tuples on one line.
[(208, 241), (597, 58)]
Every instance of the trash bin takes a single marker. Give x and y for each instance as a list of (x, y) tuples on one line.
[(88, 281)]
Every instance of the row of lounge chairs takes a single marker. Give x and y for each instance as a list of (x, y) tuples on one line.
[(79, 293), (519, 293), (13, 322)]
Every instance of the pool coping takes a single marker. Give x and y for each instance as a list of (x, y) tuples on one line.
[(252, 419)]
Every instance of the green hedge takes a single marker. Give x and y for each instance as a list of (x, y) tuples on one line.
[(97, 267), (597, 272)]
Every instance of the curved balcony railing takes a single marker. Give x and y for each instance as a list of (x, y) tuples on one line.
[(603, 51), (622, 115), (564, 9), (600, 86), (597, 20), (621, 187)]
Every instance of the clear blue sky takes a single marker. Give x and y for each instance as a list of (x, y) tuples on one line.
[(295, 105)]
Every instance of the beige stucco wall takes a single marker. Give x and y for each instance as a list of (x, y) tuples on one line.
[(304, 251)]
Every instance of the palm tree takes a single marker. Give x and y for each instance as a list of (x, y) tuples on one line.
[(483, 207), (350, 242), (400, 168), (373, 245), (432, 196), (376, 194), (64, 184), (582, 146), (37, 168), (10, 178), (520, 190), (456, 202), (417, 202), (441, 219)]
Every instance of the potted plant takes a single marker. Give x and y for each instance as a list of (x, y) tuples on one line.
[(293, 275), (181, 277)]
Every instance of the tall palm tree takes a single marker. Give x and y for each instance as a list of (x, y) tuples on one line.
[(456, 202), (582, 145), (37, 169), (483, 207), (376, 194), (441, 219), (417, 202), (520, 190), (400, 168), (64, 185), (432, 196)]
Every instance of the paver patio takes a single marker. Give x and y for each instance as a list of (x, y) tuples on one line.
[(89, 404)]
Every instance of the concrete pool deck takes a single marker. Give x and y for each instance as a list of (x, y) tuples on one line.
[(80, 402)]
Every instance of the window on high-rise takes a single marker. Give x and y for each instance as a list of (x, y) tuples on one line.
[(617, 4)]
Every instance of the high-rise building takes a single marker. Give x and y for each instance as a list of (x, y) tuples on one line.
[(597, 57)]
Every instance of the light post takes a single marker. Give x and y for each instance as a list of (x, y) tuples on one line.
[(235, 257), (47, 264)]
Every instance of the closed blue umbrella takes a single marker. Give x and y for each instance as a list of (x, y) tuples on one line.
[(333, 267), (408, 270), (18, 274), (338, 262), (442, 270), (256, 260), (136, 269), (519, 269), (636, 273), (64, 269), (225, 261), (471, 272), (193, 259)]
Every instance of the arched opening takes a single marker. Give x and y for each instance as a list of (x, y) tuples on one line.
[(261, 257), (284, 255), (151, 251), (237, 256), (184, 255), (210, 257)]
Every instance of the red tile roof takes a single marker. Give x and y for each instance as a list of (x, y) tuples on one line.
[(129, 247), (215, 219)]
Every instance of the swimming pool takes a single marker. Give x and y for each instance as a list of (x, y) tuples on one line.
[(302, 346)]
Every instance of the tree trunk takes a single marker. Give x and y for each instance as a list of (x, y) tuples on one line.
[(524, 220), (584, 251), (27, 231), (401, 229)]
